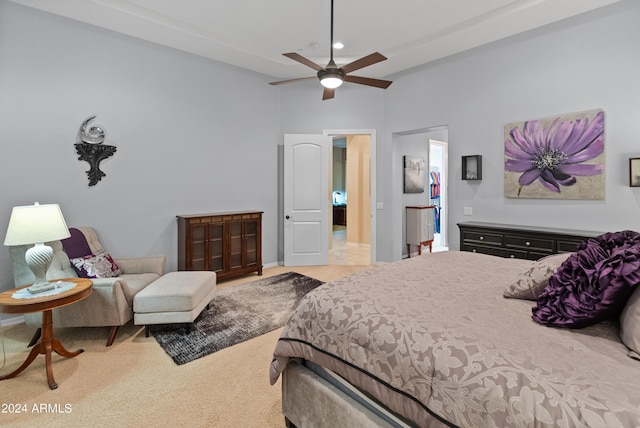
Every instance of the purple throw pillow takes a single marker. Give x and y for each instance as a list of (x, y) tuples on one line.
[(76, 245), (99, 265), (593, 284)]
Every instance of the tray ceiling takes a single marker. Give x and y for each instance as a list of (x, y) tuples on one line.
[(253, 34)]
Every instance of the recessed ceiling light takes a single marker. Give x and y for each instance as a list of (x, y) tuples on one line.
[(338, 45)]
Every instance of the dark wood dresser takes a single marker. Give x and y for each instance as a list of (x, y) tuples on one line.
[(229, 243), (340, 215), (520, 242)]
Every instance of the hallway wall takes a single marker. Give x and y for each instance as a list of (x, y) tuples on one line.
[(358, 189)]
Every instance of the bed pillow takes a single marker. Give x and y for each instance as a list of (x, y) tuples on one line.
[(99, 265), (593, 284), (530, 283), (630, 323)]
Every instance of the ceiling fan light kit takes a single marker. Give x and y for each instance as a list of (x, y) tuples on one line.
[(333, 76), (331, 81)]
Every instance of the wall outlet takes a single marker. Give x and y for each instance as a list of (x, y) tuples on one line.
[(468, 211)]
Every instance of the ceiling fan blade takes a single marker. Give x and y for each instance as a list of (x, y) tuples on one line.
[(378, 83), (363, 62), (282, 82), (297, 57), (328, 93)]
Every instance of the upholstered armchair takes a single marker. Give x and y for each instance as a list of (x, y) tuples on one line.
[(111, 302)]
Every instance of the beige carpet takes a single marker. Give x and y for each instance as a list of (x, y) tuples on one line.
[(135, 383)]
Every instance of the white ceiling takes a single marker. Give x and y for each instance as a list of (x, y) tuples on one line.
[(253, 34)]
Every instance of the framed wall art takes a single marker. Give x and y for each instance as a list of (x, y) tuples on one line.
[(560, 157), (414, 176), (634, 172), (472, 167)]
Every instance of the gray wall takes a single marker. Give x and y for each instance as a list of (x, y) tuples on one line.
[(194, 135), (582, 63), (587, 62)]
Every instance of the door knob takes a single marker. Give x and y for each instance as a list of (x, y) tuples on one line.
[(286, 217)]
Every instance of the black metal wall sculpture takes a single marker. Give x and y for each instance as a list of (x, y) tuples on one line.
[(90, 148)]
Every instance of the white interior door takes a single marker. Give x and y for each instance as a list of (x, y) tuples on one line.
[(306, 203)]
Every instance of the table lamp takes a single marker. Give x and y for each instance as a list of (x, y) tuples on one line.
[(37, 224)]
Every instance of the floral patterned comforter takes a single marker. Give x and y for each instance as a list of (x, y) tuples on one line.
[(433, 339)]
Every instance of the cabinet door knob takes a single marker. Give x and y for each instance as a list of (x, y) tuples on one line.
[(474, 250), (482, 238), (512, 256), (286, 217), (528, 244)]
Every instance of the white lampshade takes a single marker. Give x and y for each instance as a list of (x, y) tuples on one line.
[(36, 224)]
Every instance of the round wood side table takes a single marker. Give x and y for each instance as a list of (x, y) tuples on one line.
[(45, 304)]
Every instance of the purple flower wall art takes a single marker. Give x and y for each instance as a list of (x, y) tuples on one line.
[(557, 158)]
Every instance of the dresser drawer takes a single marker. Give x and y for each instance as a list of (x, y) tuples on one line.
[(496, 251), (492, 251), (528, 242), (485, 238), (517, 254), (519, 242), (568, 245)]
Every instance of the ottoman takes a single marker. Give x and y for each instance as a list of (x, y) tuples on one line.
[(176, 297)]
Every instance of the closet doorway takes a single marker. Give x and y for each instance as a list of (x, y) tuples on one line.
[(438, 191), (431, 146)]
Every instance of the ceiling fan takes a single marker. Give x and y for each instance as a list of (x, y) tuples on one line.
[(333, 76)]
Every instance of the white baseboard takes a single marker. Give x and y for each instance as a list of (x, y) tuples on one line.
[(16, 319), (268, 265)]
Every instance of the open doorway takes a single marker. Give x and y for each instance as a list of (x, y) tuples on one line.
[(438, 155), (307, 212), (430, 146), (350, 229)]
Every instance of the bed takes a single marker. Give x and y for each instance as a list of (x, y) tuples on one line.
[(432, 341)]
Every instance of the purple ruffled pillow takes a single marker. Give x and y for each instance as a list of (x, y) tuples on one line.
[(593, 284)]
